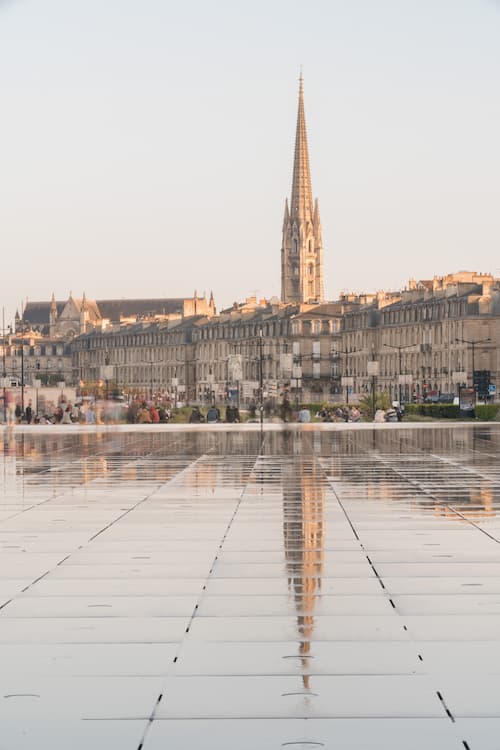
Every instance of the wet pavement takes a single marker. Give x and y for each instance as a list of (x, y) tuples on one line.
[(231, 588)]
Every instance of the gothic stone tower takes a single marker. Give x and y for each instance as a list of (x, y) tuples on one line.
[(302, 247)]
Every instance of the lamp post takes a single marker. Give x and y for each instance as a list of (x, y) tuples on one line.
[(345, 353), (373, 369), (472, 343), (106, 373), (261, 376), (22, 363), (400, 348), (4, 373)]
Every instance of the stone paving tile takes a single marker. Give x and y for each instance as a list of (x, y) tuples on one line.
[(318, 696), (269, 734), (60, 733)]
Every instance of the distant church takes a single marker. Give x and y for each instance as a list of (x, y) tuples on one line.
[(302, 246), (80, 315)]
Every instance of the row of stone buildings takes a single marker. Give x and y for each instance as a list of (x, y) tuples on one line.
[(426, 340)]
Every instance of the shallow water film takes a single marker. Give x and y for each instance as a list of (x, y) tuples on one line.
[(237, 588)]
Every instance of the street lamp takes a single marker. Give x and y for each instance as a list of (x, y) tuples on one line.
[(372, 367), (261, 377), (347, 381), (473, 342), (4, 373), (400, 348), (22, 363)]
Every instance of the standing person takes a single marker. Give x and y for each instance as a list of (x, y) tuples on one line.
[(18, 412), (28, 412)]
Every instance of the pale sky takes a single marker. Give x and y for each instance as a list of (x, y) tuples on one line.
[(146, 147)]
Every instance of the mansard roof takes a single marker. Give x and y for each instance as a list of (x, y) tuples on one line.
[(37, 313), (114, 309)]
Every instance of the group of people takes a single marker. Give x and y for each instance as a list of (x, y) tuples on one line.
[(394, 414), (340, 414), (64, 413), (141, 412), (214, 415)]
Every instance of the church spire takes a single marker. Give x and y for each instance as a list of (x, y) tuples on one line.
[(301, 206), (302, 246)]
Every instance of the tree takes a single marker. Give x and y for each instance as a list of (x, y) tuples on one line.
[(381, 402)]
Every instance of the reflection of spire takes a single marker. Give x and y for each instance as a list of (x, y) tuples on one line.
[(303, 531)]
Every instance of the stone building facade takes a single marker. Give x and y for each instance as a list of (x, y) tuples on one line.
[(32, 357), (426, 337), (203, 359)]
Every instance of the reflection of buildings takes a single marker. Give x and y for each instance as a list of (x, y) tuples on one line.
[(439, 469), (303, 533)]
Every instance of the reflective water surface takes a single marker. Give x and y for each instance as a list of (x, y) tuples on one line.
[(224, 589)]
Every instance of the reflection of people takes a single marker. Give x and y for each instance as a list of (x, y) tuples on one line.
[(304, 415)]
